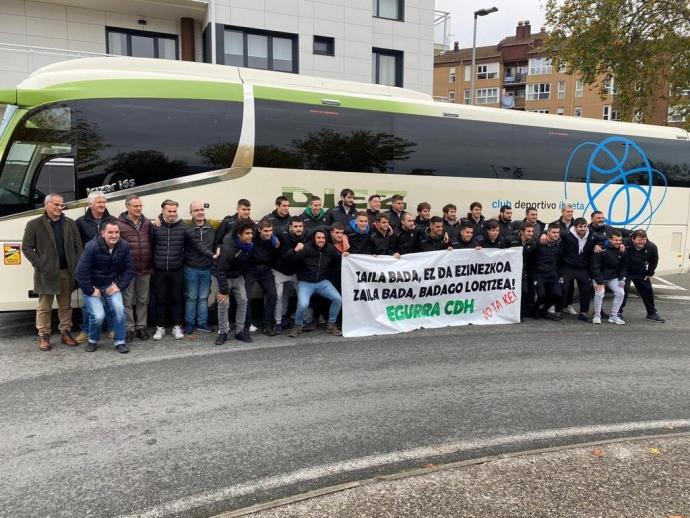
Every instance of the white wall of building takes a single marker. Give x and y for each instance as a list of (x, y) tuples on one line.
[(74, 29)]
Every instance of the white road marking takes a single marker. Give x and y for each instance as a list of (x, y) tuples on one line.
[(372, 461), (673, 297), (668, 285)]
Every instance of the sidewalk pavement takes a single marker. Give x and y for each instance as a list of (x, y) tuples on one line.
[(647, 477)]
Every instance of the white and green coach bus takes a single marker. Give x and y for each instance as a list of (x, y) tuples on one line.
[(193, 131)]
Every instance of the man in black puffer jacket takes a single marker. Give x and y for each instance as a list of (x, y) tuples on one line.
[(609, 268), (313, 265), (168, 240), (643, 258), (381, 237), (578, 247), (261, 258), (345, 211), (433, 237), (104, 271), (546, 282), (406, 238), (232, 264), (284, 269)]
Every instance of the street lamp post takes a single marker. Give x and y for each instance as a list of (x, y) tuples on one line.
[(480, 12)]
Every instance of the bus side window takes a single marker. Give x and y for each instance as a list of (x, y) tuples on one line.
[(56, 176)]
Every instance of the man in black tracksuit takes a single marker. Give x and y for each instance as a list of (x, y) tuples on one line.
[(381, 237), (547, 285), (168, 241), (492, 237), (280, 217), (475, 218), (433, 237), (261, 258), (451, 222), (358, 232), (396, 211), (244, 211), (405, 239), (373, 207), (643, 258), (465, 238), (600, 230), (313, 261), (345, 211), (578, 247), (284, 269), (505, 224), (525, 239)]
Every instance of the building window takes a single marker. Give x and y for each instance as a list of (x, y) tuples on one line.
[(561, 89), (607, 113), (489, 71), (451, 97), (615, 115), (579, 88), (391, 9), (468, 73), (538, 91), (387, 67), (609, 86), (468, 98), (487, 95), (140, 44), (540, 110), (560, 111), (675, 114), (538, 66), (451, 75), (259, 49), (577, 112), (324, 46)]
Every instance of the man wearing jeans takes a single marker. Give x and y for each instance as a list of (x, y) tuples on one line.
[(105, 269), (197, 270), (230, 270), (314, 259)]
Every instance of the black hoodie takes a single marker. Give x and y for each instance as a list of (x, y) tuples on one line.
[(313, 262)]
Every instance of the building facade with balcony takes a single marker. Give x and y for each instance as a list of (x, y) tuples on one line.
[(379, 41), (516, 74)]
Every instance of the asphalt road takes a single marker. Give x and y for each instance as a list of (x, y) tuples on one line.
[(191, 429)]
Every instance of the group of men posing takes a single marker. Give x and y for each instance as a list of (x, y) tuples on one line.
[(117, 261)]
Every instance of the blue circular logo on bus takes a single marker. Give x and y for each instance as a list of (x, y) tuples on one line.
[(620, 180)]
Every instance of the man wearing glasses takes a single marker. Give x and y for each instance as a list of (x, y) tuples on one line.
[(52, 245)]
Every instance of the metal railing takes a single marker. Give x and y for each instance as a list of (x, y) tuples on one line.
[(36, 57)]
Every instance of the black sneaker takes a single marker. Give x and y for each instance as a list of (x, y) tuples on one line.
[(557, 316), (310, 326), (584, 318), (142, 334), (129, 336), (277, 329), (122, 348), (204, 329), (287, 323), (268, 331), (90, 347), (221, 339), (243, 336), (656, 317)]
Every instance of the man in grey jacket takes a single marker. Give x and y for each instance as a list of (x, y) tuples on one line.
[(52, 245)]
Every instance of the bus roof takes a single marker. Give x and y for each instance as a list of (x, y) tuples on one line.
[(127, 68)]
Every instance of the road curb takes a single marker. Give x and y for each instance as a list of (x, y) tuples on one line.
[(246, 511)]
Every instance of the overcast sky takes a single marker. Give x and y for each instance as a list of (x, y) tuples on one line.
[(493, 27)]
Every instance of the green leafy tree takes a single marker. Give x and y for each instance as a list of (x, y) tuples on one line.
[(643, 44)]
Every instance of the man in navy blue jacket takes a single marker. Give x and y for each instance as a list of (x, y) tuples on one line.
[(104, 271)]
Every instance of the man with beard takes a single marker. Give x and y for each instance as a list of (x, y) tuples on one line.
[(284, 271)]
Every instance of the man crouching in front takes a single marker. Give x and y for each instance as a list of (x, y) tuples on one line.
[(314, 260), (104, 271)]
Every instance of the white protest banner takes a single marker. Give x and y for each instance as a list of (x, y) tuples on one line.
[(385, 295)]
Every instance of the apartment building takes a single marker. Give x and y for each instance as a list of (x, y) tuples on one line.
[(380, 41), (516, 74)]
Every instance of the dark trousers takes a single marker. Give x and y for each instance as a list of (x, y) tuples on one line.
[(263, 278), (527, 296), (168, 288), (644, 290), (549, 292), (584, 286)]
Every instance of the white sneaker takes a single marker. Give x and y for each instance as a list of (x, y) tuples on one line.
[(570, 310), (159, 334), (617, 320), (551, 310), (177, 333), (252, 328), (596, 319)]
